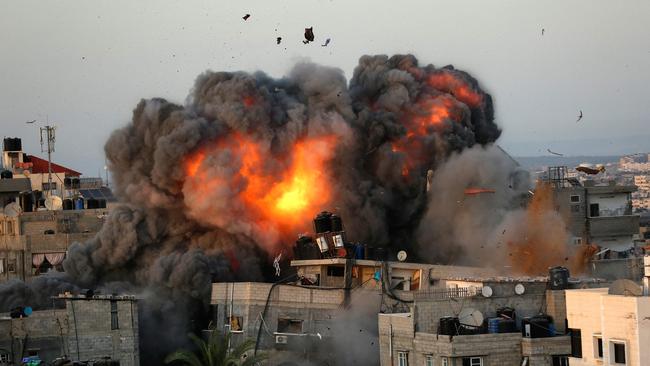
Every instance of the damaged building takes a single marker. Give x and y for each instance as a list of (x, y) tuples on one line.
[(84, 328)]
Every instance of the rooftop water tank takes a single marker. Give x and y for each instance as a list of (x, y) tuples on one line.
[(558, 278), (323, 222)]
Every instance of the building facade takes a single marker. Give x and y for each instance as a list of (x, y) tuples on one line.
[(77, 328)]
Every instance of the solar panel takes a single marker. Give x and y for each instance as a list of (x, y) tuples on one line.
[(98, 193)]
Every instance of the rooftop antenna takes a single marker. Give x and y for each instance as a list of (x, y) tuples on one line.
[(48, 138)]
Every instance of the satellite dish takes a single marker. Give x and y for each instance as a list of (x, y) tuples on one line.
[(486, 291), (520, 289), (53, 203), (471, 317), (625, 287), (13, 209), (401, 256)]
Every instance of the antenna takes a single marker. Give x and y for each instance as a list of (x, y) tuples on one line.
[(48, 138)]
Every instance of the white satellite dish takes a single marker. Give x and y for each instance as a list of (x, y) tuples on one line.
[(625, 287), (13, 209), (401, 256), (54, 203), (486, 291), (520, 289), (471, 317)]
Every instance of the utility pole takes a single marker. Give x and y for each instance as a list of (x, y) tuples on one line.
[(48, 138)]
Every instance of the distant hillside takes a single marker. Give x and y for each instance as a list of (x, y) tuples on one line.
[(537, 162)]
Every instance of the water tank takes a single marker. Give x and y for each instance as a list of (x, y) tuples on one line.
[(323, 222), (92, 203), (306, 248), (493, 325), (359, 251), (507, 326), (102, 203), (506, 312), (67, 204), (6, 174), (13, 144), (558, 278), (337, 223), (537, 327), (449, 325), (79, 203), (380, 254)]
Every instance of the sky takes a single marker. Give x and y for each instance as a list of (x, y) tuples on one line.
[(84, 65)]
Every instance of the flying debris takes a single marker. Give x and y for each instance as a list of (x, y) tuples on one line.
[(590, 169), (309, 35), (245, 17), (276, 264), (278, 40), (29, 122), (580, 116), (554, 153), (474, 191), (542, 31), (327, 41)]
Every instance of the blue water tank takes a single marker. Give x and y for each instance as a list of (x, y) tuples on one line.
[(359, 251), (79, 203), (493, 325)]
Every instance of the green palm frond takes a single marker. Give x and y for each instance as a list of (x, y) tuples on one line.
[(215, 352)]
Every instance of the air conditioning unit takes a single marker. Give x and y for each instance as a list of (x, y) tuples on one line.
[(281, 339)]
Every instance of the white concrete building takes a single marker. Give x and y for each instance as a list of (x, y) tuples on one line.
[(610, 326)]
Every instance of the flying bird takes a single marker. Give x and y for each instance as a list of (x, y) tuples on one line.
[(327, 41), (31, 121), (245, 17), (554, 153), (580, 116)]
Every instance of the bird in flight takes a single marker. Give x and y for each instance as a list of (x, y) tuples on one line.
[(580, 116), (29, 122)]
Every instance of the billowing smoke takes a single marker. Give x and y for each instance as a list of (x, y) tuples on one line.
[(212, 189)]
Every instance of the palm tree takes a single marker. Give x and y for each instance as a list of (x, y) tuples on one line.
[(215, 352)]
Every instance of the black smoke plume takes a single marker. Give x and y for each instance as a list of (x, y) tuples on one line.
[(172, 235)]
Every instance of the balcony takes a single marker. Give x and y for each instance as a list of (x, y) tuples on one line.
[(613, 225)]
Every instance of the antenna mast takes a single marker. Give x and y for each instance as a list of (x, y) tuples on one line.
[(48, 138)]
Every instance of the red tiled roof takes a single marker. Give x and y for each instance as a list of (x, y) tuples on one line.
[(40, 166)]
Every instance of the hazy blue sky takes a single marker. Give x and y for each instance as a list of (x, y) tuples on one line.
[(86, 64)]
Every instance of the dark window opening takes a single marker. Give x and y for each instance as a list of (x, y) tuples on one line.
[(560, 361), (599, 347), (575, 199), (335, 271), (619, 353), (114, 321), (576, 343), (594, 210), (472, 361), (289, 326), (236, 323)]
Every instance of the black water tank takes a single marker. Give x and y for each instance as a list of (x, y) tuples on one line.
[(337, 223), (306, 248), (537, 327), (67, 204), (92, 203), (506, 312), (558, 278), (449, 325), (102, 203), (323, 222), (507, 326), (6, 174), (13, 144), (380, 254)]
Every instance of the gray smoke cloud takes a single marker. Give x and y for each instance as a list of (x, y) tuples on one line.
[(184, 177)]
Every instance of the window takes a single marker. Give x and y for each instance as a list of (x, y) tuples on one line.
[(560, 361), (617, 352), (428, 360), (472, 361), (577, 241), (524, 361), (576, 343), (236, 323), (335, 271), (293, 326), (114, 321), (4, 356), (598, 346), (402, 358), (575, 199), (2, 265), (11, 266), (46, 186), (444, 361), (594, 210)]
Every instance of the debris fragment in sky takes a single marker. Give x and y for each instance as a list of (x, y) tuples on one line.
[(327, 41), (473, 191), (580, 116), (542, 31), (309, 35), (245, 17), (278, 40), (590, 170), (554, 153)]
